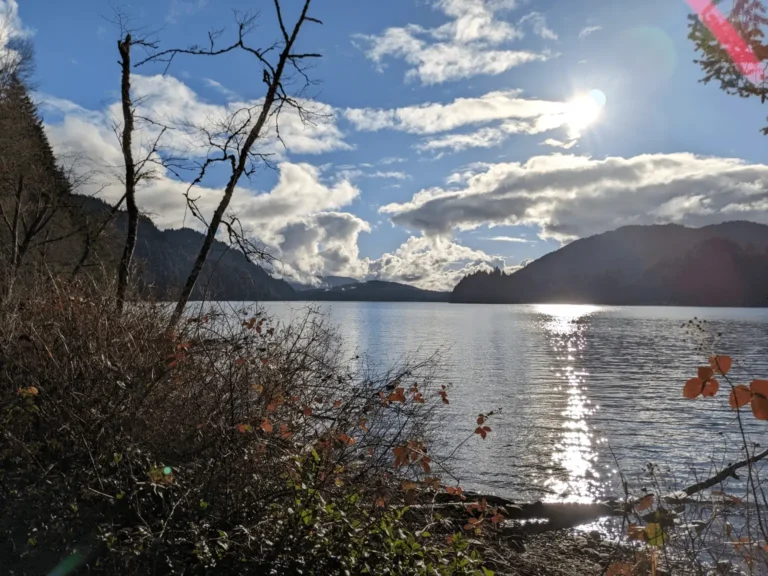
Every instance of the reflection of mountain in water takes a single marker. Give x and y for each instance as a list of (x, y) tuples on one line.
[(720, 265)]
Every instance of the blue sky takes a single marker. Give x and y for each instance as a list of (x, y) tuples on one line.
[(454, 135)]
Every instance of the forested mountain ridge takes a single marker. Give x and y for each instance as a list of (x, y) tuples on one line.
[(718, 265)]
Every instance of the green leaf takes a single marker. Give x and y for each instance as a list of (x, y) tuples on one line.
[(315, 455), (488, 572), (655, 534)]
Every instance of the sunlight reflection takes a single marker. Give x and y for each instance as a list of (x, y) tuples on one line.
[(575, 477)]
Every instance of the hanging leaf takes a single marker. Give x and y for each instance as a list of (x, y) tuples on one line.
[(266, 425), (740, 396), (760, 407), (710, 388), (243, 428), (425, 461), (655, 534), (693, 388), (480, 420), (706, 372), (285, 432), (644, 503), (720, 364), (759, 387)]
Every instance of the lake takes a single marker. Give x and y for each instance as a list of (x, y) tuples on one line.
[(584, 391)]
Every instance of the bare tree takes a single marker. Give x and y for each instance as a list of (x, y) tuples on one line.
[(233, 143)]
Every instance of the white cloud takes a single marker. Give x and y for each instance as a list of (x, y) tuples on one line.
[(433, 118), (538, 23), (588, 31), (11, 29), (303, 206), (570, 196), (555, 143), (512, 239), (223, 90), (473, 42), (431, 263)]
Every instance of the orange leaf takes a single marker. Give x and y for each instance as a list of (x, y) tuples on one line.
[(693, 388), (710, 388), (644, 503), (706, 372), (760, 387), (344, 439), (408, 485), (496, 518), (760, 407), (720, 364), (285, 433), (425, 464), (740, 396), (243, 428), (380, 502), (266, 425)]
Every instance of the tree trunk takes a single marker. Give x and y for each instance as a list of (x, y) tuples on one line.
[(126, 260), (237, 173)]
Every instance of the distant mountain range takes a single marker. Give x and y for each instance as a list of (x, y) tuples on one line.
[(719, 265), (373, 291), (164, 258)]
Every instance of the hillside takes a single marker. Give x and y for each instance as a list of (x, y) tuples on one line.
[(164, 258), (373, 291), (719, 265)]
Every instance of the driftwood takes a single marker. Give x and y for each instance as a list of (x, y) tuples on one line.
[(546, 516)]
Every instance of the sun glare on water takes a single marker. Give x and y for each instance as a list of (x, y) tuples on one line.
[(584, 110)]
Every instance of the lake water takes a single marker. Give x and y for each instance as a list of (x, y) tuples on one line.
[(584, 390)]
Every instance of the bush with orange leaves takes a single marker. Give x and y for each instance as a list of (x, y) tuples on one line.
[(232, 444)]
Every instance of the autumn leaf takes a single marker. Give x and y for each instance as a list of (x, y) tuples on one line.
[(740, 396), (408, 485), (760, 407), (337, 404), (345, 439), (720, 364), (285, 432), (644, 503), (307, 411), (759, 387), (243, 428), (418, 398), (496, 518), (619, 569), (705, 373), (266, 425), (635, 532), (693, 388), (398, 395), (482, 431), (710, 388), (431, 482), (380, 503), (655, 534), (480, 420), (425, 464)]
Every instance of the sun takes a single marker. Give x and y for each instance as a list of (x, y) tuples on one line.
[(584, 110)]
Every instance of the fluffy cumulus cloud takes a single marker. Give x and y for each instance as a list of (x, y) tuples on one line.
[(11, 30), (475, 40), (570, 196), (431, 263), (299, 218)]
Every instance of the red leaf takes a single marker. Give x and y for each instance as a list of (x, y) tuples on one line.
[(740, 396), (496, 518), (425, 464), (266, 425), (693, 388), (481, 432), (644, 503), (720, 364), (710, 388), (307, 411), (285, 433), (760, 407), (337, 404), (480, 420), (706, 372), (760, 387)]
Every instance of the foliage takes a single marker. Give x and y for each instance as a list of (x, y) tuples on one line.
[(233, 445)]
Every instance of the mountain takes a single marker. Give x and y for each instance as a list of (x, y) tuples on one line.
[(373, 291), (165, 257), (719, 265)]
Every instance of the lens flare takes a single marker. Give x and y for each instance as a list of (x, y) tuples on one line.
[(584, 110)]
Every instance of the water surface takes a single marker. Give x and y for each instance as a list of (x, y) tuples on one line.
[(585, 391)]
